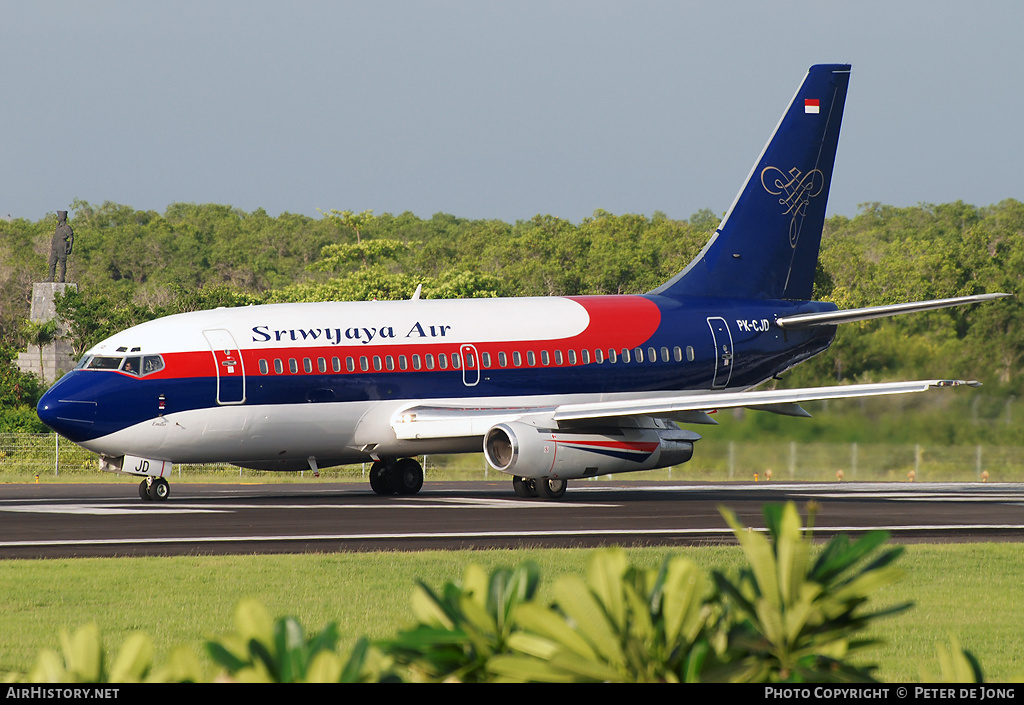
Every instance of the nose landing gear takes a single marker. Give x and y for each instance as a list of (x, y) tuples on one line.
[(154, 488)]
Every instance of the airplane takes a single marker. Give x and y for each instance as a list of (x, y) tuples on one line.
[(551, 389)]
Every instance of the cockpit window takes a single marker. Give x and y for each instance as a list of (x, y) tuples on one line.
[(132, 365), (104, 363), (137, 365)]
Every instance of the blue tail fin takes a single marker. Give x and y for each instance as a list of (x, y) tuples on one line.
[(766, 247)]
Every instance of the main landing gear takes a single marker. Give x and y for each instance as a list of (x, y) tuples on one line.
[(403, 476), (154, 488), (548, 488)]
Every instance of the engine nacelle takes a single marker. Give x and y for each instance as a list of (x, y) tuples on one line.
[(524, 450)]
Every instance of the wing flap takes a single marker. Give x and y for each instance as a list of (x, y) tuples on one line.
[(455, 421), (731, 400)]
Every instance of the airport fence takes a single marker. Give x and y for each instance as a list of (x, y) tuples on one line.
[(47, 457)]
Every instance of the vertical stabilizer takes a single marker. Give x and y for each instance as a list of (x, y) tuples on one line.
[(766, 247)]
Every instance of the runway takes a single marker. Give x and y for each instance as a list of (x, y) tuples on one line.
[(52, 520)]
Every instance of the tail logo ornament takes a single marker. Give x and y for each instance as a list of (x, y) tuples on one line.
[(795, 191)]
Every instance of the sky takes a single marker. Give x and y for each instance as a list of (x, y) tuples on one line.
[(486, 109)]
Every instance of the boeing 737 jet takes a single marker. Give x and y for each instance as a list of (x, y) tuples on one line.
[(551, 389)]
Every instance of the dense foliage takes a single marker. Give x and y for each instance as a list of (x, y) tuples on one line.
[(134, 265)]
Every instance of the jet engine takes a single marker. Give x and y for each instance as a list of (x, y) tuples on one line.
[(528, 451)]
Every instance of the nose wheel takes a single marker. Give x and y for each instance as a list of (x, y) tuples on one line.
[(154, 488)]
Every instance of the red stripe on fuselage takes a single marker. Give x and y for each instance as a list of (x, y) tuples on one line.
[(616, 322)]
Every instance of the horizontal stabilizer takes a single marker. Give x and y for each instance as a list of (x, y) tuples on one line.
[(832, 318)]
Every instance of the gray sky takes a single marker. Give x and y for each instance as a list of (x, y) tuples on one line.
[(494, 109)]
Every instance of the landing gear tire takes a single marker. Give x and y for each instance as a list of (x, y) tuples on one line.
[(154, 488), (160, 489), (406, 476), (550, 488), (378, 479), (524, 487)]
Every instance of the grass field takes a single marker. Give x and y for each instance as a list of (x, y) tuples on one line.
[(970, 591)]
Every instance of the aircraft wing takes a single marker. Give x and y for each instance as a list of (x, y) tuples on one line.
[(451, 421)]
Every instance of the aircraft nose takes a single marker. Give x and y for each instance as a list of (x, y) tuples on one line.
[(68, 411)]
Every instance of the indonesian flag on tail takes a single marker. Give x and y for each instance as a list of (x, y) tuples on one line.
[(812, 105)]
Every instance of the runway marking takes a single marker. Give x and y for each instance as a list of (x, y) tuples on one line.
[(105, 510), (219, 508), (711, 532)]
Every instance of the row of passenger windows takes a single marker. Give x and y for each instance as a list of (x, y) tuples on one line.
[(444, 361)]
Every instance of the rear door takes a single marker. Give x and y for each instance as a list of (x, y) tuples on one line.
[(722, 337), (230, 369)]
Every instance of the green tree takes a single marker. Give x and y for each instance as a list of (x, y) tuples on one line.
[(40, 334)]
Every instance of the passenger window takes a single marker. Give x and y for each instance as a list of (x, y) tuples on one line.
[(442, 361), (598, 356), (689, 353), (456, 361), (558, 357), (364, 363), (677, 353), (336, 364), (321, 364), (264, 368), (377, 363), (638, 354), (430, 361), (613, 356), (293, 366), (531, 359), (625, 355), (416, 363), (485, 359), (389, 362), (502, 360), (307, 364), (278, 367), (545, 359), (403, 362), (517, 359), (350, 364)]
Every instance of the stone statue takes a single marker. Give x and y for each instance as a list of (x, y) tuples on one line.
[(60, 246)]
